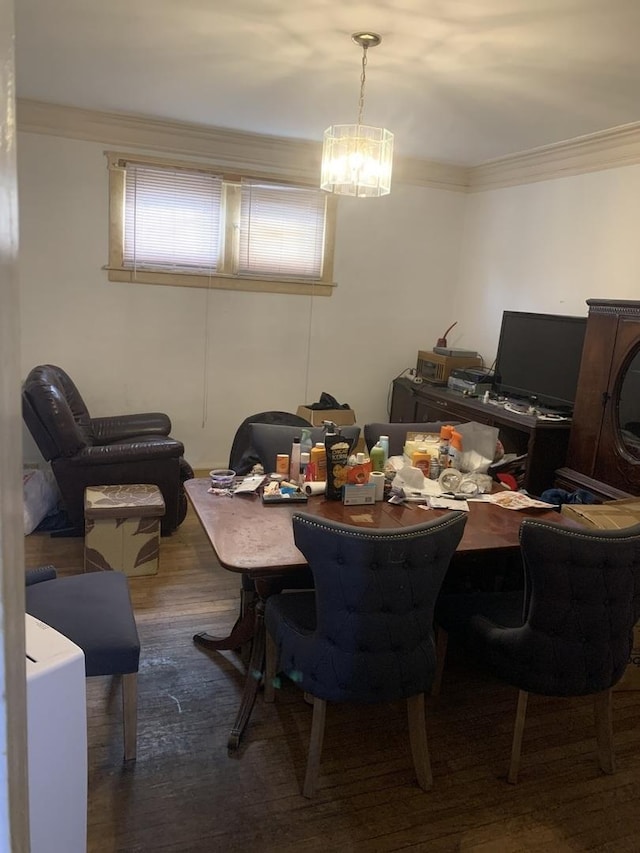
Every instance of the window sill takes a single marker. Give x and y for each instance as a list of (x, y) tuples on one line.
[(220, 282)]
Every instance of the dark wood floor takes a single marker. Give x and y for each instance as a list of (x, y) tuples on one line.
[(186, 795)]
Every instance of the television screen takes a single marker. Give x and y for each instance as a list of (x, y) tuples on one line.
[(539, 357)]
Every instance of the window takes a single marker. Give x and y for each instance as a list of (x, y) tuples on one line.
[(189, 225)]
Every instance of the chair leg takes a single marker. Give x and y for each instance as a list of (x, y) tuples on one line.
[(418, 740), (315, 747), (271, 662), (518, 729), (130, 714), (604, 731), (441, 652)]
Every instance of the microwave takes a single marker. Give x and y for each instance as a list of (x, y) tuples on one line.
[(435, 368)]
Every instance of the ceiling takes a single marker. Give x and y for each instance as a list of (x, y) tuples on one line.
[(457, 81)]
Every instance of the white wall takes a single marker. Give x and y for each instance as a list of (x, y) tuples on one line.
[(548, 247), (209, 359), (407, 266)]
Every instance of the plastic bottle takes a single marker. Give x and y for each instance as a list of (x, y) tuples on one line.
[(422, 459), (319, 459), (377, 457), (304, 462), (306, 442), (455, 449), (294, 461), (384, 441), (445, 437)]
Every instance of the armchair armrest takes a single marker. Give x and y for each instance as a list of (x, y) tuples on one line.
[(41, 573), (137, 451), (120, 427)]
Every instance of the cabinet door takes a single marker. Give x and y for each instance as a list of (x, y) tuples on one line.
[(444, 410), (618, 450), (403, 403), (593, 384)]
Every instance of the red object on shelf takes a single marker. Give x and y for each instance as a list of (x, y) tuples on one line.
[(508, 480), (442, 342)]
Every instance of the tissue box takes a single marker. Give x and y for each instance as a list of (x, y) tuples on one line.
[(353, 495)]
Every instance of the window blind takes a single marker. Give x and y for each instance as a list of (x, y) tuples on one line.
[(282, 231), (172, 219)]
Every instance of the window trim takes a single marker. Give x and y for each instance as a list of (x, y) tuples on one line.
[(116, 271)]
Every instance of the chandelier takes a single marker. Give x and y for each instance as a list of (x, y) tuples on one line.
[(357, 159)]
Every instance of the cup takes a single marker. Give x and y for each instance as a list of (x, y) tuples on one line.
[(377, 477), (222, 478)]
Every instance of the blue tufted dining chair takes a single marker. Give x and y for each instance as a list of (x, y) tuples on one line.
[(243, 456), (569, 633), (94, 611), (365, 634)]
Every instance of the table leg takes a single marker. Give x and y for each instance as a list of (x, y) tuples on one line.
[(241, 633), (252, 681)]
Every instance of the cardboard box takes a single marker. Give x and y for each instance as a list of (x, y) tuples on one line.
[(613, 515), (342, 417)]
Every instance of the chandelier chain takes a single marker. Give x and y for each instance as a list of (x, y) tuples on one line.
[(363, 77)]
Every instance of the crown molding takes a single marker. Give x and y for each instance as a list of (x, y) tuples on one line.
[(299, 159), (607, 149), (291, 158), (229, 149)]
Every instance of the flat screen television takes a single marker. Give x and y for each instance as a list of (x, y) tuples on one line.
[(538, 358)]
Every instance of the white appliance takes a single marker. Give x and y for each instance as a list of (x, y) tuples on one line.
[(57, 741)]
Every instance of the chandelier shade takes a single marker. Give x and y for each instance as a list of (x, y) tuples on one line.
[(357, 159)]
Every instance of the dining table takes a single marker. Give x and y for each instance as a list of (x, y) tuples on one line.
[(255, 539)]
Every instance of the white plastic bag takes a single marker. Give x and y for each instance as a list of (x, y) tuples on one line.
[(478, 447), (40, 496)]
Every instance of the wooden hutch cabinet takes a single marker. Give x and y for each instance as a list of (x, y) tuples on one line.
[(604, 444)]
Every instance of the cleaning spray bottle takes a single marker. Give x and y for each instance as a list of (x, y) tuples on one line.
[(337, 449)]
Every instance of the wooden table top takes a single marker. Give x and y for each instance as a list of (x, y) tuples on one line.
[(250, 537)]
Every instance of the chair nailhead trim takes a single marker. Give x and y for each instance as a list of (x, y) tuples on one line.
[(574, 534), (380, 533)]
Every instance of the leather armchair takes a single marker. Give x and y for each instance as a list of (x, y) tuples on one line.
[(86, 451)]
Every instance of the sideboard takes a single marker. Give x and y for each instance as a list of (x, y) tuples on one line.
[(544, 442)]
